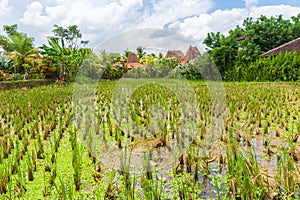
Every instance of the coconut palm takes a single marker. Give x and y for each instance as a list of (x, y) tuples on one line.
[(20, 50)]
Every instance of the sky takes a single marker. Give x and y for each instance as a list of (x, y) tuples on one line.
[(101, 20)]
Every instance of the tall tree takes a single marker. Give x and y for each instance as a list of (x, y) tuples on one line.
[(64, 52), (246, 43), (71, 35), (296, 26), (67, 61), (10, 29), (19, 47), (140, 52)]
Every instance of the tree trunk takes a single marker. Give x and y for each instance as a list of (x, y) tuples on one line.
[(70, 74), (62, 71)]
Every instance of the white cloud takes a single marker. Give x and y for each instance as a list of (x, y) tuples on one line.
[(251, 3), (87, 12), (170, 11), (102, 18), (99, 20), (33, 15), (89, 15), (224, 20), (197, 27), (286, 10), (112, 15), (5, 8)]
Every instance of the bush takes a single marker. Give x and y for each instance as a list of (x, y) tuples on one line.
[(2, 75), (283, 67), (6, 65)]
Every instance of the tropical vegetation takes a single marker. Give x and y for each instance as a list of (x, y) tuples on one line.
[(237, 56), (52, 147), (243, 47), (161, 130)]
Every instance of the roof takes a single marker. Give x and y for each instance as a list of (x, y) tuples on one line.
[(292, 46), (243, 37), (192, 53), (133, 61), (176, 54), (132, 58), (133, 65)]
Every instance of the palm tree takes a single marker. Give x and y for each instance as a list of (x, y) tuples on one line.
[(22, 51)]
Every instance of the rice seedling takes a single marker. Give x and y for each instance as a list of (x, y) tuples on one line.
[(76, 159), (256, 156)]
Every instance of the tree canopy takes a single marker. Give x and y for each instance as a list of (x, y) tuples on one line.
[(19, 47), (246, 43), (71, 35), (63, 51)]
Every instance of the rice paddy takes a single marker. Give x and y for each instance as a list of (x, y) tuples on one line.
[(105, 141)]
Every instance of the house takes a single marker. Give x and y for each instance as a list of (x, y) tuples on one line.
[(176, 54), (192, 53), (292, 46), (243, 37), (133, 61)]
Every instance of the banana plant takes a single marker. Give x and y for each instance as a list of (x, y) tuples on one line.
[(6, 65), (77, 57), (56, 51), (66, 60)]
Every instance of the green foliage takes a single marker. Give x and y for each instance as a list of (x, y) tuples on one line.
[(140, 52), (19, 47), (70, 35), (10, 29), (41, 119), (113, 73), (110, 66), (202, 68), (15, 41), (56, 53), (113, 66), (245, 44), (188, 71), (4, 41), (65, 60), (91, 67), (283, 67), (6, 65), (269, 33)]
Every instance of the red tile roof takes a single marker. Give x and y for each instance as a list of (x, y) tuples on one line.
[(192, 53), (176, 54), (133, 61), (292, 46)]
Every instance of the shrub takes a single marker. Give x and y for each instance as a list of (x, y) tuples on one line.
[(283, 67), (2, 74)]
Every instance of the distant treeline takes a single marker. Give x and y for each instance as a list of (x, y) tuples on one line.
[(238, 55)]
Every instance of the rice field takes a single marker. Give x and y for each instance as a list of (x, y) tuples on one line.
[(115, 140)]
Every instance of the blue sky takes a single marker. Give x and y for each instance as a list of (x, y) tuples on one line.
[(100, 20), (277, 2), (229, 4)]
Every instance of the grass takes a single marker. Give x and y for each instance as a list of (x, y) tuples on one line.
[(255, 155)]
